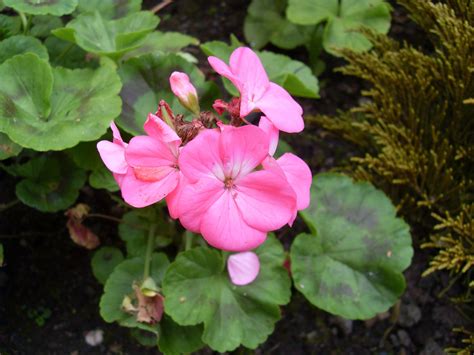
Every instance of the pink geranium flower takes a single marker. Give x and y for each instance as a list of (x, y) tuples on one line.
[(147, 168), (226, 200), (257, 93)]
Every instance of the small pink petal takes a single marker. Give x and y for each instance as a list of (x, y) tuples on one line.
[(243, 268), (223, 69), (266, 125), (181, 85), (117, 138), (113, 156), (155, 127), (280, 108), (145, 151)]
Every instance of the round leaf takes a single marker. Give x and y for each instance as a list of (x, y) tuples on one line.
[(43, 25), (7, 147), (52, 183), (352, 263), (174, 339), (104, 262), (311, 12), (43, 7), (21, 44), (198, 290), (53, 109), (110, 8)]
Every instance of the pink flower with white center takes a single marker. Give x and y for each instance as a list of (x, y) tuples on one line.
[(243, 268), (184, 91), (113, 155), (227, 200), (296, 171), (257, 93)]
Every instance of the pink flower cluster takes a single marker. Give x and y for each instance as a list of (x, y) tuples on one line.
[(224, 183)]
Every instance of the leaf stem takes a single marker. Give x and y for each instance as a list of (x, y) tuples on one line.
[(5, 206), (24, 21), (104, 216), (149, 250), (188, 240)]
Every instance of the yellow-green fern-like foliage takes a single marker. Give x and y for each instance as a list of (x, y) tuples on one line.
[(416, 127)]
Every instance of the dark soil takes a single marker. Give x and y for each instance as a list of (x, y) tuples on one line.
[(49, 297)]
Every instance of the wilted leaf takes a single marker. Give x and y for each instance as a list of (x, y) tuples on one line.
[(46, 108), (352, 263), (198, 290)]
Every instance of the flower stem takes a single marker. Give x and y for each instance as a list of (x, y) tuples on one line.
[(24, 21), (188, 240), (149, 250)]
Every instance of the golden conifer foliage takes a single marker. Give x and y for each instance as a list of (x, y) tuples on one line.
[(416, 127)]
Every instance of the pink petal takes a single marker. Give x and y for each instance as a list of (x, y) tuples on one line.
[(173, 198), (266, 125), (224, 228), (140, 193), (223, 69), (200, 158), (196, 199), (113, 156), (246, 65), (280, 108), (243, 268), (144, 151), (265, 200), (242, 149), (155, 127), (299, 177), (181, 85)]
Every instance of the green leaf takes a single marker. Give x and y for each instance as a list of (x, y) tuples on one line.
[(265, 22), (43, 7), (120, 284), (198, 290), (311, 12), (344, 19), (66, 54), (165, 42), (174, 339), (102, 178), (9, 26), (104, 262), (21, 44), (112, 38), (43, 25), (135, 226), (46, 108), (352, 263), (146, 82), (51, 183), (110, 9), (293, 75), (8, 148)]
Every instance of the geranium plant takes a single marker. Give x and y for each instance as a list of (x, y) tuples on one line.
[(218, 173)]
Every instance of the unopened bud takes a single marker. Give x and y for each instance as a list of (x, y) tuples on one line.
[(185, 91)]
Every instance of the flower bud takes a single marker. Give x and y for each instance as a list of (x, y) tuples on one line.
[(185, 91)]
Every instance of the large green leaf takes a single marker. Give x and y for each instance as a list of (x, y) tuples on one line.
[(293, 75), (8, 148), (146, 82), (51, 183), (110, 8), (43, 7), (104, 262), (9, 26), (198, 290), (112, 38), (41, 26), (344, 19), (135, 226), (165, 42), (174, 339), (352, 263), (66, 54), (265, 22), (21, 44), (46, 108), (120, 284)]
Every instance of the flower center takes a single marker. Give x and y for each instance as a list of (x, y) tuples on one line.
[(228, 182)]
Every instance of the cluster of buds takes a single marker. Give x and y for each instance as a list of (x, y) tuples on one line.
[(219, 179)]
